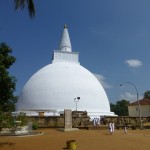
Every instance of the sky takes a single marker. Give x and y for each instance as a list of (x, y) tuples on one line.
[(111, 36)]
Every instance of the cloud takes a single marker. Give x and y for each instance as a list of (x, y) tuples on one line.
[(134, 63), (101, 79), (129, 97)]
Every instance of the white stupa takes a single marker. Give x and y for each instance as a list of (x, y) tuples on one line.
[(58, 85)]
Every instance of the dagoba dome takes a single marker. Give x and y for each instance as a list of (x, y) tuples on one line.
[(64, 84)]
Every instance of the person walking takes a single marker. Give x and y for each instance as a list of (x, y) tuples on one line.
[(113, 127), (98, 121), (125, 128), (94, 122), (110, 128)]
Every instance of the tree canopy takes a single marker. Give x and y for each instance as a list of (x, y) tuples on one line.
[(147, 94), (120, 108), (7, 82), (21, 4)]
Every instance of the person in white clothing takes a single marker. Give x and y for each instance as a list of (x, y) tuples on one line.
[(98, 121), (94, 122), (113, 126), (125, 128), (110, 127)]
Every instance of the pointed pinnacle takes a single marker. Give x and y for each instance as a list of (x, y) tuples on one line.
[(65, 26)]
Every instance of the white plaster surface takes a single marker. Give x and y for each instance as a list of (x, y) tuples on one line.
[(56, 85)]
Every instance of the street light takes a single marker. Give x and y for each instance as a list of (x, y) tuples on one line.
[(139, 108), (76, 100)]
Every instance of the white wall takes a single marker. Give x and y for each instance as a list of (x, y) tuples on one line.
[(133, 110)]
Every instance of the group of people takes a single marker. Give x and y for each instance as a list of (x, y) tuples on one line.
[(111, 127), (96, 122)]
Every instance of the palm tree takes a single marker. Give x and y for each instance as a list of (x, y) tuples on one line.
[(20, 4)]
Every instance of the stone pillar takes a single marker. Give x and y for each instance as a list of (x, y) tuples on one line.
[(68, 118), (68, 121)]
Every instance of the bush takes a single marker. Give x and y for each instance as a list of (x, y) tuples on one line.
[(23, 118), (6, 120), (35, 126)]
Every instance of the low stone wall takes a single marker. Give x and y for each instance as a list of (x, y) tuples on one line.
[(45, 122), (19, 130), (121, 120), (84, 121), (58, 121)]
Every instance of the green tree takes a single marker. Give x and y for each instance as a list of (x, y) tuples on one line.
[(120, 108), (112, 107), (147, 94), (21, 4), (6, 120), (7, 82)]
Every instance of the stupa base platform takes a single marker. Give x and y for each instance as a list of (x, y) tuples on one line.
[(68, 129)]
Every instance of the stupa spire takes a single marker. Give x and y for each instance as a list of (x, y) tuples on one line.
[(65, 44)]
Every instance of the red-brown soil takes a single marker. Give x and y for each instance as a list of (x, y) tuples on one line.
[(52, 139)]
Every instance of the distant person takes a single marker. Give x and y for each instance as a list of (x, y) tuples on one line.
[(113, 126), (98, 121), (125, 128), (110, 127), (94, 122)]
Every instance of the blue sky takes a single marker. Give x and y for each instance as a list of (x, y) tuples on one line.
[(111, 36)]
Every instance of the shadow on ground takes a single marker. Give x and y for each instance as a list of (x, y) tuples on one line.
[(10, 144)]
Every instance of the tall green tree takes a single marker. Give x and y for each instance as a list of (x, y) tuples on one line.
[(147, 94), (120, 108), (7, 82), (21, 4)]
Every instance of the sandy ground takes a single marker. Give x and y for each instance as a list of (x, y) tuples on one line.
[(52, 139)]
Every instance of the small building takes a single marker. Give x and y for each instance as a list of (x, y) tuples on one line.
[(133, 108)]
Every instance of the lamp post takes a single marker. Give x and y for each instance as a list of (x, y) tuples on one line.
[(76, 100), (139, 108)]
